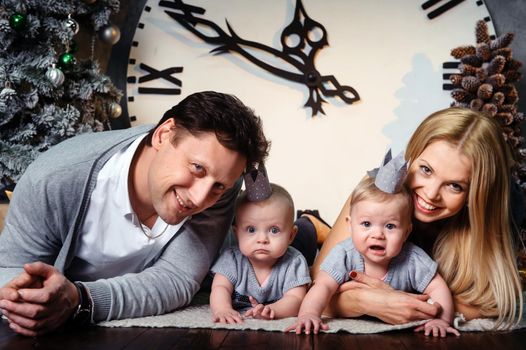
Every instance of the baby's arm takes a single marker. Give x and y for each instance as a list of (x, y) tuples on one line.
[(439, 292), (221, 301), (313, 304), (287, 306)]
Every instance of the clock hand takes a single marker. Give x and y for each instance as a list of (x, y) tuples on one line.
[(233, 43), (292, 55)]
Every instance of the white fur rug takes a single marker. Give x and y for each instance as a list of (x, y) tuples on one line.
[(198, 316)]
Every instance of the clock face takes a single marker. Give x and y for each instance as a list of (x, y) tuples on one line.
[(386, 56)]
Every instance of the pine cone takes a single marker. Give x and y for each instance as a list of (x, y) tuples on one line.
[(456, 79), (472, 60), (504, 118), (461, 95), (485, 91), (481, 74), (497, 80), (498, 98), (502, 41), (467, 69), (496, 65), (476, 104), (490, 108), (505, 52), (508, 108), (481, 33), (484, 52), (470, 83), (462, 51)]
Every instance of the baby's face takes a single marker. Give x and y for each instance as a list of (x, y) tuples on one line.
[(379, 229), (264, 231)]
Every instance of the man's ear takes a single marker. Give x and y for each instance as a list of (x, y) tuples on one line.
[(293, 233), (163, 133)]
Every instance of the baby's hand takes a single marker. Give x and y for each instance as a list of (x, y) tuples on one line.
[(307, 321), (229, 316), (259, 311), (437, 327)]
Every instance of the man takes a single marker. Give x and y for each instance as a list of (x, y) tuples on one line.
[(125, 223)]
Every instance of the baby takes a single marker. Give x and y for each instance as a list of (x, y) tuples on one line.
[(379, 222), (263, 276)]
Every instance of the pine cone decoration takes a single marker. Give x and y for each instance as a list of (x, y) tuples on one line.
[(485, 83)]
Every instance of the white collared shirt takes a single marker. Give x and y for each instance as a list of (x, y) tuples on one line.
[(112, 239)]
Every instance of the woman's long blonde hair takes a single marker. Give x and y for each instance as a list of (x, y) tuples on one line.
[(474, 251)]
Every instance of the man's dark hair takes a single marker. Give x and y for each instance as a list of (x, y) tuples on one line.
[(234, 124)]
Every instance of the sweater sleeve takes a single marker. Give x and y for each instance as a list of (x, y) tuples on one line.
[(36, 225), (175, 277)]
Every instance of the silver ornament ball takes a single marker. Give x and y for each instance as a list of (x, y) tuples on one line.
[(115, 110), (110, 34), (73, 25), (55, 76)]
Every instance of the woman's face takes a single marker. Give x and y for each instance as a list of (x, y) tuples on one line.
[(439, 181)]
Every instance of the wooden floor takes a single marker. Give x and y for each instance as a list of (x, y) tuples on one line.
[(188, 339)]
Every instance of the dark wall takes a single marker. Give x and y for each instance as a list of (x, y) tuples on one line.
[(509, 16)]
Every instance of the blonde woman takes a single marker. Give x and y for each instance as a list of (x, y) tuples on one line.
[(460, 183)]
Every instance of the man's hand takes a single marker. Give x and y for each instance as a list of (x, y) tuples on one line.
[(46, 299), (24, 280)]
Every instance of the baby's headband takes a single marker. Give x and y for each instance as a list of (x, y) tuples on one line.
[(390, 176), (257, 184)]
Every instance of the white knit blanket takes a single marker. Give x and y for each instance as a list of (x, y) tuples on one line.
[(199, 316)]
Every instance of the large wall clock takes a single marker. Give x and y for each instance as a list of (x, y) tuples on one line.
[(391, 53)]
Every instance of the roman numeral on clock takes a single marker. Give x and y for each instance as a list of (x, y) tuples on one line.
[(439, 10), (450, 67), (154, 74)]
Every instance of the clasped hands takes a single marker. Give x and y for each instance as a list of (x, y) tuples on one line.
[(38, 300)]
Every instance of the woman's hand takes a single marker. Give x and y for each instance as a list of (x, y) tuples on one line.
[(371, 296)]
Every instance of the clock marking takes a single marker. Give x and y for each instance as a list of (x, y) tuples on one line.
[(154, 74), (308, 36), (440, 10)]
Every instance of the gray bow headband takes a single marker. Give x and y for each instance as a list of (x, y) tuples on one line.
[(257, 184), (390, 176)]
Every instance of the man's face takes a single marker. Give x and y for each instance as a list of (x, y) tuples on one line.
[(189, 176)]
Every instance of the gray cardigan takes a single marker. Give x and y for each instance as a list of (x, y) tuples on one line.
[(48, 208)]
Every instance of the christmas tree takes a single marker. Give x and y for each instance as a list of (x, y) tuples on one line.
[(46, 94)]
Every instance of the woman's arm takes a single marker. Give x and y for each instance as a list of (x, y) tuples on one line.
[(370, 296), (469, 312)]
